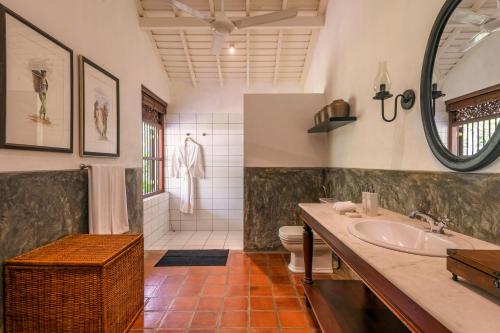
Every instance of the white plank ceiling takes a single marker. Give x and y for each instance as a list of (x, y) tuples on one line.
[(279, 52), (456, 35)]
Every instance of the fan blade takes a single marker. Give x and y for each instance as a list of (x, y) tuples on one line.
[(492, 26), (217, 43), (468, 16), (474, 41), (266, 18), (191, 11)]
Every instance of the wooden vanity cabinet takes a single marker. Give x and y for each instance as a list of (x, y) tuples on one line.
[(373, 304)]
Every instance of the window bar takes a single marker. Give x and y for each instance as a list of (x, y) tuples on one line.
[(156, 161), (150, 175), (466, 139), (476, 125), (463, 144), (470, 138), (143, 159), (147, 160), (483, 126), (155, 156), (157, 153), (151, 146), (460, 141)]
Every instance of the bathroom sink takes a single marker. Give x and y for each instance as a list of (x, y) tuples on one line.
[(405, 238)]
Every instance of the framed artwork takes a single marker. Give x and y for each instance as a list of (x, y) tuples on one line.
[(99, 111), (36, 87)]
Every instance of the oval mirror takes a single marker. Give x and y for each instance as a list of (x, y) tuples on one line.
[(460, 87)]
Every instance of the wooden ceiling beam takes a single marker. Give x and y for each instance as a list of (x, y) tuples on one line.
[(248, 57), (457, 31), (322, 7), (231, 13), (188, 59), (450, 40), (478, 4), (140, 13), (284, 3), (219, 70), (187, 23), (310, 52), (211, 5), (278, 55)]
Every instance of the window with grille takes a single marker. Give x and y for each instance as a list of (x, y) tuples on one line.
[(153, 112), (473, 120)]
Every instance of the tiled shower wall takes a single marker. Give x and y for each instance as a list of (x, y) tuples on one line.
[(155, 218), (219, 196)]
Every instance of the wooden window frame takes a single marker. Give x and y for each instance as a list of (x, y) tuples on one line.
[(150, 102), (470, 99)]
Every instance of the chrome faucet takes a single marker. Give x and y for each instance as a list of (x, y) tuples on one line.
[(437, 224)]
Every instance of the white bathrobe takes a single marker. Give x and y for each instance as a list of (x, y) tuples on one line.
[(187, 164)]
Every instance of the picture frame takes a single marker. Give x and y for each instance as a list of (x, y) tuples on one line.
[(36, 87), (99, 110)]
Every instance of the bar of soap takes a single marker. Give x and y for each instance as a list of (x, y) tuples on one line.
[(353, 214)]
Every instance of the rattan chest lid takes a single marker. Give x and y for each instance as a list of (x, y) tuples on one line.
[(81, 250)]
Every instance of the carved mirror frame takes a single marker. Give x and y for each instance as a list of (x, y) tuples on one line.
[(491, 149)]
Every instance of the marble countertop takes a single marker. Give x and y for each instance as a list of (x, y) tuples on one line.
[(457, 305)]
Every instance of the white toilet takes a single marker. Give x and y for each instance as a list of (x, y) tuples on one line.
[(291, 238)]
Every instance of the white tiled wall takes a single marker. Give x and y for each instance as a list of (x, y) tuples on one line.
[(219, 196), (156, 218)]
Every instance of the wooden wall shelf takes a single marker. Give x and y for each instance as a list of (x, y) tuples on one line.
[(349, 306), (333, 123)]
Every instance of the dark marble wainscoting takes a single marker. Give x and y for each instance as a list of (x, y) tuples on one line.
[(37, 208), (471, 201), (272, 196)]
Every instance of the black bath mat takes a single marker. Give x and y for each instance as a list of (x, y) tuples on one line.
[(193, 258)]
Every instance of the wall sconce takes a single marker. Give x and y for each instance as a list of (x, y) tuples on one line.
[(436, 93), (383, 85)]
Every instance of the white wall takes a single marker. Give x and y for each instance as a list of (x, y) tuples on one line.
[(358, 34), (209, 97), (107, 33), (276, 131), (156, 219)]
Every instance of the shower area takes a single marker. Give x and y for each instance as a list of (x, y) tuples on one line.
[(217, 220)]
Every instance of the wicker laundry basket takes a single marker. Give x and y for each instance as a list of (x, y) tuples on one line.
[(80, 283)]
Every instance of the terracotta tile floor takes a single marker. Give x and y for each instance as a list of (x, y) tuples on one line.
[(253, 293)]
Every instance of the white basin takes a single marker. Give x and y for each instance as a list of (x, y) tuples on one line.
[(405, 238)]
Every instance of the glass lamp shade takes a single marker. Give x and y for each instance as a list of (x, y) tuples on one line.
[(382, 77)]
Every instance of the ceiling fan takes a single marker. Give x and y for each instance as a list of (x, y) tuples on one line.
[(486, 30), (471, 16), (222, 26), (487, 23)]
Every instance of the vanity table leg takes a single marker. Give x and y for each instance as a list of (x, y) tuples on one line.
[(308, 253)]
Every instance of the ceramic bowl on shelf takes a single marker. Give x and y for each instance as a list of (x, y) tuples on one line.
[(340, 108)]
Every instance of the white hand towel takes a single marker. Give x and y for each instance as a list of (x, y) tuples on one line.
[(107, 200), (344, 206)]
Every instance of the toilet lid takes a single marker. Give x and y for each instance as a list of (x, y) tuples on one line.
[(293, 233)]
